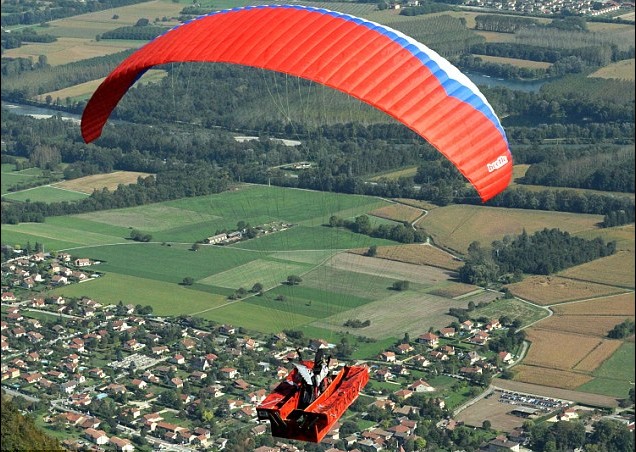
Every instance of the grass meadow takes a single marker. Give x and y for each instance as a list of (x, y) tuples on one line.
[(47, 194)]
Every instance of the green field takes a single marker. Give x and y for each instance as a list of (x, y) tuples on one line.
[(615, 376), (12, 178), (152, 273), (45, 193), (165, 298)]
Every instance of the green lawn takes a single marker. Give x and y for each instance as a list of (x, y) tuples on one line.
[(166, 263)]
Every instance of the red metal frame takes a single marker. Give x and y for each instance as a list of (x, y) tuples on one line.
[(313, 422)]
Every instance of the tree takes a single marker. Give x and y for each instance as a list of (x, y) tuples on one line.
[(257, 288), (294, 280), (187, 281), (372, 251), (400, 285)]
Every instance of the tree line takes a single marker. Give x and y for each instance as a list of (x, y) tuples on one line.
[(402, 233), (15, 12)]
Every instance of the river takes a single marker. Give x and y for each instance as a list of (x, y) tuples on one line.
[(531, 86), (39, 112)]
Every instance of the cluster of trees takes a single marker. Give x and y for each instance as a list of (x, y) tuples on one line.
[(402, 233), (355, 323), (618, 218), (20, 432), (543, 253), (15, 38), (622, 330), (502, 24), (593, 56), (566, 65), (141, 31), (428, 8), (24, 82), (15, 66), (139, 236), (593, 167), (607, 435)]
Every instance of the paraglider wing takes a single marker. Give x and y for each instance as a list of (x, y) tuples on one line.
[(368, 61)]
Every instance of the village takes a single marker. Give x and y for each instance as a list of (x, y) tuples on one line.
[(116, 377)]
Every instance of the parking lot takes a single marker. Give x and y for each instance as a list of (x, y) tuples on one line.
[(498, 407)]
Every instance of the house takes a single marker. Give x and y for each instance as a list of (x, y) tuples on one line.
[(178, 359), (403, 349), (8, 296), (68, 386), (388, 357), (502, 444), (227, 329), (139, 384), (468, 325), (176, 382), (218, 238), (447, 332), (471, 371), (99, 437), (480, 338), (229, 373), (430, 339), (421, 386), (82, 262), (316, 344), (473, 357), (505, 357), (122, 444)]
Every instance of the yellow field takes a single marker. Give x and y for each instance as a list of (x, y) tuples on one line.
[(582, 324), (617, 305), (548, 290), (515, 62), (518, 171), (616, 270), (417, 203), (456, 226), (398, 212), (550, 377), (597, 356), (76, 35), (85, 90), (100, 181), (454, 290), (557, 350), (419, 254), (394, 175), (68, 50), (623, 70)]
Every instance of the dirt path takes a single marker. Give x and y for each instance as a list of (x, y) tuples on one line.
[(557, 393)]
